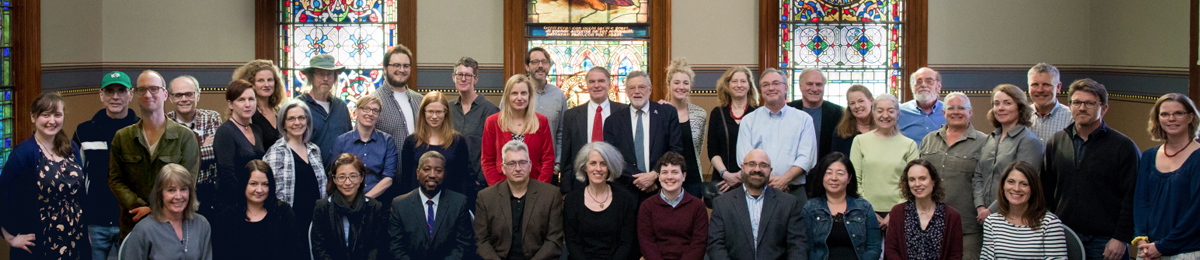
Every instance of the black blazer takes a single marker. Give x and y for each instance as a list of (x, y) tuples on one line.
[(831, 115), (409, 231), (574, 137), (368, 238), (663, 135), (781, 230)]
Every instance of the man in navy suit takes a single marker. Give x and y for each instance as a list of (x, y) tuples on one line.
[(643, 132), (757, 221), (584, 124), (431, 222)]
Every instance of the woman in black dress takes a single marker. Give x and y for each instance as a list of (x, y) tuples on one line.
[(268, 92), (236, 142), (260, 226), (435, 132), (736, 92), (600, 220), (42, 190)]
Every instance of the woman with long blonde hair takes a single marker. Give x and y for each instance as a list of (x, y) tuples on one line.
[(518, 121), (435, 132)]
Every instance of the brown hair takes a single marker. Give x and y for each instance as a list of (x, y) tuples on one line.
[(1036, 209), (1024, 112), (848, 126), (366, 100), (235, 90), (248, 71), (52, 102), (446, 130), (671, 158), (544, 52), (177, 175), (725, 94), (1156, 132), (939, 190), (1090, 86), (469, 63), (400, 49), (346, 159), (506, 114)]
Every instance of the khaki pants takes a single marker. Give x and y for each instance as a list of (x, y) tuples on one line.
[(972, 244)]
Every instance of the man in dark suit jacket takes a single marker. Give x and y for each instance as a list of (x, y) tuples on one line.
[(579, 122), (826, 115), (416, 234), (660, 127), (780, 233), (518, 215)]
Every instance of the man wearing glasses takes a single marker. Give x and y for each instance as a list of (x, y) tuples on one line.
[(184, 93), (469, 111), (100, 212), (1089, 175), (551, 101), (140, 150), (330, 116), (785, 133), (399, 101), (518, 218), (923, 114)]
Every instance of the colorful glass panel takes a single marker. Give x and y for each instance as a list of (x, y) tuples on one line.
[(6, 81), (357, 33), (852, 41), (588, 11), (573, 59)]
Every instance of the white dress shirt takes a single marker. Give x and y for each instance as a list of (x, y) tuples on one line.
[(591, 115)]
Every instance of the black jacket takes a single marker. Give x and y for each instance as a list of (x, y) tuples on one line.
[(368, 237), (452, 237), (94, 139), (1095, 196), (284, 240), (831, 115)]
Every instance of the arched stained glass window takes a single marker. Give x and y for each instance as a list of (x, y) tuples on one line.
[(357, 33), (582, 34), (6, 80), (852, 41)]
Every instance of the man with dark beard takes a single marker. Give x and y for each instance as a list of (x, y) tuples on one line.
[(399, 102), (775, 214), (551, 101), (923, 114)]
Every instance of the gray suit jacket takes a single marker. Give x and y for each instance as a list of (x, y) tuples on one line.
[(409, 229), (781, 230)]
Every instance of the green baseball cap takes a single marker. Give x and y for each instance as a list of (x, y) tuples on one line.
[(115, 77)]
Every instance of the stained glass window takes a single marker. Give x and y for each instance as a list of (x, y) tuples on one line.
[(357, 33), (581, 34), (6, 80), (852, 41)]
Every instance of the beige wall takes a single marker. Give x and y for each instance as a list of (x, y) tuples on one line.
[(1125, 34), (714, 32), (1009, 32), (71, 31), (451, 29)]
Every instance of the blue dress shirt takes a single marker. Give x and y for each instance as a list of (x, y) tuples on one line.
[(914, 123), (379, 154), (788, 137)]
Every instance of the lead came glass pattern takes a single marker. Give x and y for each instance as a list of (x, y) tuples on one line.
[(6, 81), (588, 11), (573, 59), (358, 33), (852, 41)]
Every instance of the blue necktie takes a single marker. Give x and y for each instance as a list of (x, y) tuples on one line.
[(639, 143), (429, 217)]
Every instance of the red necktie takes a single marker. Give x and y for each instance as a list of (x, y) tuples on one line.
[(598, 126)]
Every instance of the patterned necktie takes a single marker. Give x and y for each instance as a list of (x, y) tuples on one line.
[(429, 217), (639, 142), (598, 126)]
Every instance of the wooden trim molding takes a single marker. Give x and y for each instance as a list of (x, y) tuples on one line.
[(27, 59), (515, 14), (266, 30), (916, 40), (1193, 67), (406, 32)]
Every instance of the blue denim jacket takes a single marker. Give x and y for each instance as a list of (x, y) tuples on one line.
[(860, 223)]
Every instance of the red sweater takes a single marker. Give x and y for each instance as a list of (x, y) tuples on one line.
[(666, 233), (541, 150), (897, 248)]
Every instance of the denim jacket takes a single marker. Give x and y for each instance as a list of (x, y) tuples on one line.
[(860, 223)]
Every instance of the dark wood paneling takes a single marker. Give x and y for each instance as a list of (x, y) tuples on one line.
[(406, 31), (768, 34), (660, 46), (515, 13), (1194, 69), (916, 41), (27, 60), (266, 30)]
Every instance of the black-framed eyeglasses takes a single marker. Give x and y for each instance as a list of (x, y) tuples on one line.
[(463, 75), (399, 65), (184, 95), (1176, 114), (539, 62), (151, 89), (1084, 104)]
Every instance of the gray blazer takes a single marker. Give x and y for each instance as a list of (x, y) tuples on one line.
[(452, 234), (781, 230)]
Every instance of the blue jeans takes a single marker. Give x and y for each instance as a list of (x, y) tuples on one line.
[(1093, 246), (104, 239)]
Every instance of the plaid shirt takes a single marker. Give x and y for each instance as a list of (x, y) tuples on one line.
[(280, 158), (1044, 127), (204, 125)]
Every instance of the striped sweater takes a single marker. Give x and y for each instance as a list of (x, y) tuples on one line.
[(1003, 240)]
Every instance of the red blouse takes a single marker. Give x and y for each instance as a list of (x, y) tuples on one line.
[(541, 150)]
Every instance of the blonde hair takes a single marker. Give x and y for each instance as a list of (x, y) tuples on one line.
[(679, 65), (507, 114), (173, 174), (423, 130), (252, 68), (1156, 132), (725, 94)]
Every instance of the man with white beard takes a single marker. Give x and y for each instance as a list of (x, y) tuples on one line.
[(923, 114)]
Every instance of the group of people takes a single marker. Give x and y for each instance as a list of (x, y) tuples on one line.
[(424, 176)]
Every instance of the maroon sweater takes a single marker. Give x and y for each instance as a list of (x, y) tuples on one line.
[(673, 233), (897, 248)]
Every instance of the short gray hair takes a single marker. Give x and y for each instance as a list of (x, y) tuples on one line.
[(1048, 69), (638, 73), (281, 120), (912, 81), (776, 71), (195, 84), (513, 146), (966, 100), (886, 96), (611, 156), (814, 70)]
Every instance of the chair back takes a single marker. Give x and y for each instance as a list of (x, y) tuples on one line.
[(1074, 244)]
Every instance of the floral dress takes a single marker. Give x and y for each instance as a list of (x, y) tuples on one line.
[(60, 194)]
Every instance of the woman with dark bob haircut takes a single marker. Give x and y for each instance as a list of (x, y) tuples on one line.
[(925, 227), (260, 226), (347, 224), (841, 224)]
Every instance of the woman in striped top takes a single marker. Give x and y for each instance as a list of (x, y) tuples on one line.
[(1023, 228)]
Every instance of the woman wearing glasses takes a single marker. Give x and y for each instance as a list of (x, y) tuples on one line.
[(517, 120), (347, 224), (1164, 206), (236, 142), (299, 174), (376, 149), (434, 132)]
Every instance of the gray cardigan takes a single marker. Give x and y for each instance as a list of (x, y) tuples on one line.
[(151, 239)]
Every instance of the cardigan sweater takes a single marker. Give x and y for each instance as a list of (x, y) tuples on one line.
[(541, 150), (897, 248)]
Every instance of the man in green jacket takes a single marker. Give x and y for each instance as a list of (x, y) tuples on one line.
[(139, 151)]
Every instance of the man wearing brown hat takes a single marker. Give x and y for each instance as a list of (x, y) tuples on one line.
[(102, 211), (330, 115)]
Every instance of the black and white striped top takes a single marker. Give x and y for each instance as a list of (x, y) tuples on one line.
[(1003, 240)]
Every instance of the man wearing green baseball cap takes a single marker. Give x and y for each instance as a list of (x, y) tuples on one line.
[(330, 115), (94, 137)]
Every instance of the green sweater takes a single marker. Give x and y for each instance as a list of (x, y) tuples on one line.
[(878, 164)]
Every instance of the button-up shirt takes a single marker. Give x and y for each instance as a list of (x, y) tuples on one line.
[(914, 123), (591, 115), (470, 124), (669, 201), (956, 163), (425, 201), (633, 118), (754, 205), (379, 154), (552, 103), (204, 124), (1044, 126), (788, 137)]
